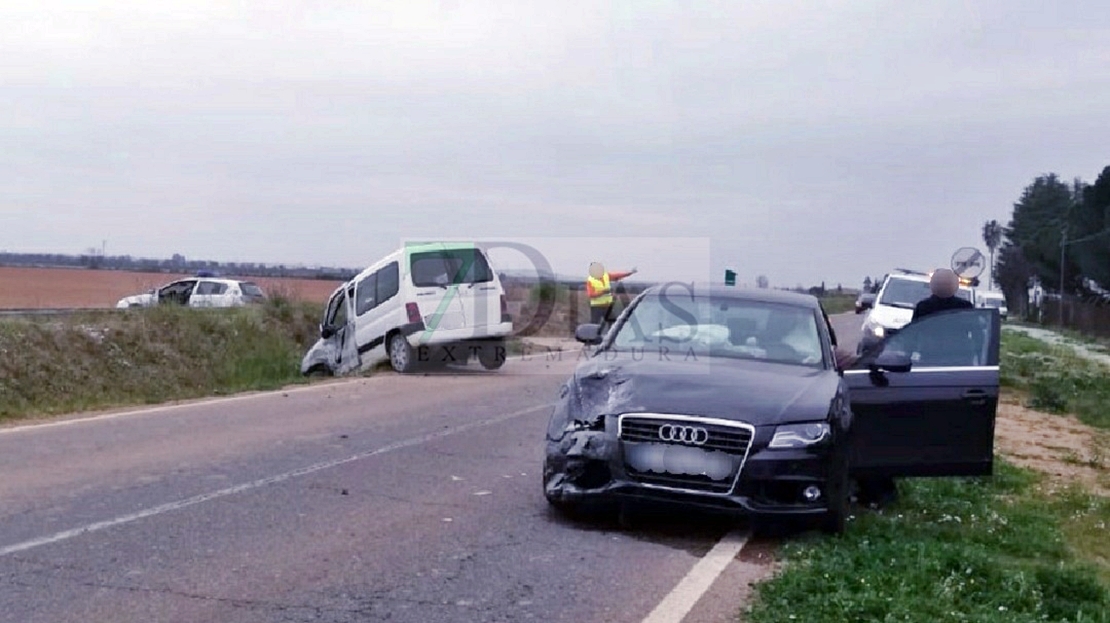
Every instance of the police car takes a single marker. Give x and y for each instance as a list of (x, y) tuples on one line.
[(199, 291), (894, 304)]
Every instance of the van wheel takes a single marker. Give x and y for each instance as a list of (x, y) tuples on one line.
[(318, 371), (492, 356), (400, 354)]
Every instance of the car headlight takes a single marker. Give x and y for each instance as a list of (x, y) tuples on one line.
[(874, 328), (800, 435)]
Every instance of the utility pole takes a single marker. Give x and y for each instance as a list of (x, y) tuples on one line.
[(1063, 257)]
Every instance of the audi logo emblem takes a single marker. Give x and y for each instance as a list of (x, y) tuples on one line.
[(675, 433)]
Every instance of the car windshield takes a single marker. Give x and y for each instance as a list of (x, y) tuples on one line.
[(727, 327), (904, 293)]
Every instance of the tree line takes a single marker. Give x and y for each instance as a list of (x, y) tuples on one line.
[(175, 264), (1058, 237)]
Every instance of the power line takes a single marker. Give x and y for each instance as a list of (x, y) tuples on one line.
[(1090, 237)]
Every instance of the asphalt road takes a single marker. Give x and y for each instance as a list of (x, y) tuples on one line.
[(382, 499), (847, 327)]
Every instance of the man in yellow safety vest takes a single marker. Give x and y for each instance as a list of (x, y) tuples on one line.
[(601, 295)]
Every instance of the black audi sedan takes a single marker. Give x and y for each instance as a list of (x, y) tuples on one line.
[(731, 399)]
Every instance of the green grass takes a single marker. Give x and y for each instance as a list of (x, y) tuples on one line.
[(838, 303), (1056, 379), (1006, 548), (83, 362), (991, 549)]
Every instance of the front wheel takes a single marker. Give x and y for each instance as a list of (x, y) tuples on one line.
[(400, 354), (318, 371)]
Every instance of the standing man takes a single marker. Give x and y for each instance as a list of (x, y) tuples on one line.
[(598, 288), (944, 284)]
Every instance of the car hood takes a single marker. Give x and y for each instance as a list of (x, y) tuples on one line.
[(136, 299), (755, 392), (890, 317)]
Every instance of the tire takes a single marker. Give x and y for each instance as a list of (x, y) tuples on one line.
[(492, 356), (401, 357), (318, 372)]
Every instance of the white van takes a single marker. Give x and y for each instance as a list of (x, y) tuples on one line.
[(439, 302)]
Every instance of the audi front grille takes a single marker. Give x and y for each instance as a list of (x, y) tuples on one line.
[(705, 434)]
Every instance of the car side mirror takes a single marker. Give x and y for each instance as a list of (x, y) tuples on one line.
[(892, 361), (326, 331), (588, 333)]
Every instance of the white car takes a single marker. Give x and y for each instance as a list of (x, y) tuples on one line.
[(996, 300), (894, 304), (198, 292), (429, 303)]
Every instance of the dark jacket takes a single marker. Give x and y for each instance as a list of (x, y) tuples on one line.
[(935, 304)]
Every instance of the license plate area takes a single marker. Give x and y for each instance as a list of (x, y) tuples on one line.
[(679, 460), (681, 452)]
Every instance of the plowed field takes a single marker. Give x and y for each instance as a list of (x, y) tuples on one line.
[(64, 288)]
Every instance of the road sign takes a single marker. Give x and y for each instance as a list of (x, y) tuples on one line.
[(730, 277), (968, 262)]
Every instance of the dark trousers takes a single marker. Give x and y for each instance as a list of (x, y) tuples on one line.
[(600, 314), (877, 491)]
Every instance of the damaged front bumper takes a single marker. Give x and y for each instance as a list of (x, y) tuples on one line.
[(589, 464)]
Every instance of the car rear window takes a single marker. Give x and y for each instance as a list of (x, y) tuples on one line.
[(450, 267), (250, 289)]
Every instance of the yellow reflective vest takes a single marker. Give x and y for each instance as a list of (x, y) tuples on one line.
[(605, 297)]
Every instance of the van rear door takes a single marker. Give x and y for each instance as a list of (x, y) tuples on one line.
[(479, 290), (432, 274)]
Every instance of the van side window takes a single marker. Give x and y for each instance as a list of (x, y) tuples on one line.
[(450, 267), (389, 282), (366, 294)]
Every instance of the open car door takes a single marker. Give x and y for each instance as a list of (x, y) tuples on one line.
[(349, 359), (924, 399)]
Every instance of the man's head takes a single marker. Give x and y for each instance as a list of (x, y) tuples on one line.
[(944, 283), (597, 270)]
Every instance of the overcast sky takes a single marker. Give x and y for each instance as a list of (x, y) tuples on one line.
[(805, 141)]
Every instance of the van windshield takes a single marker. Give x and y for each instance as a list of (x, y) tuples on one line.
[(449, 267)]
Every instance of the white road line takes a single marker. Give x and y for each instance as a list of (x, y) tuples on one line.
[(174, 407), (680, 601), (247, 486)]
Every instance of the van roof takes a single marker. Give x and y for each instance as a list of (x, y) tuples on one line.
[(444, 245)]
